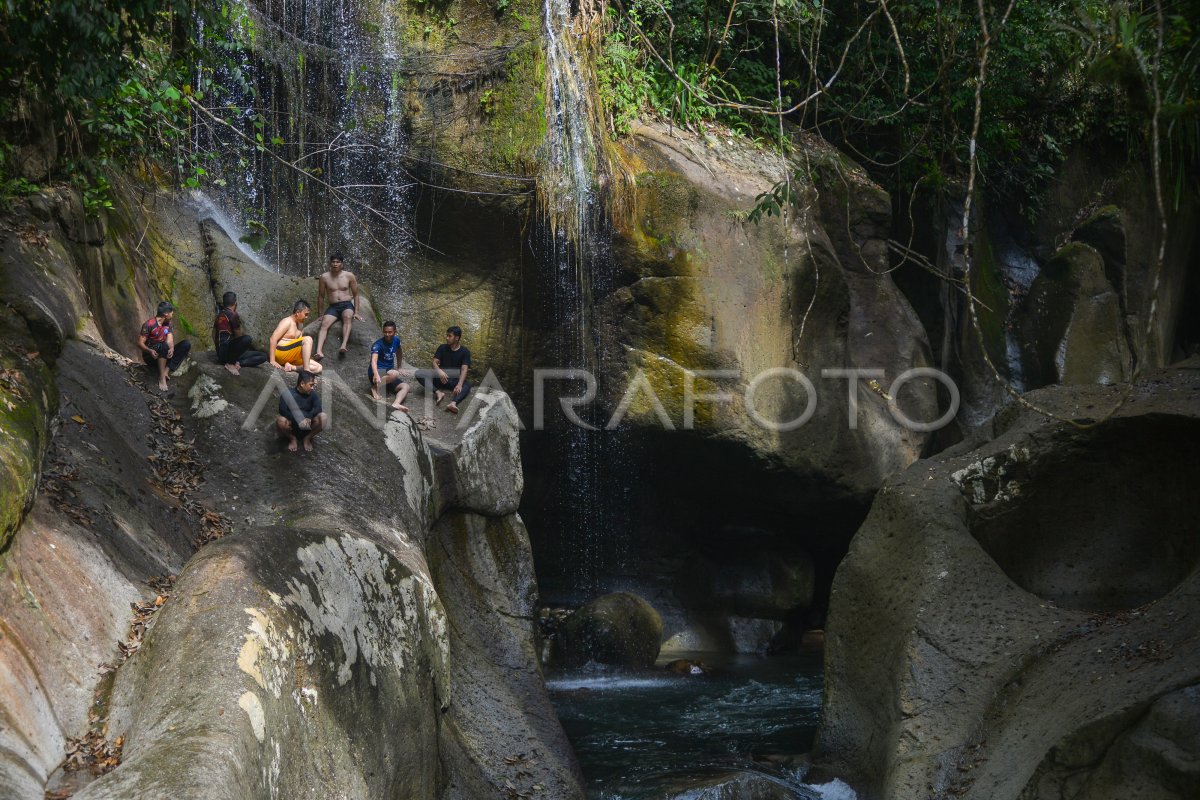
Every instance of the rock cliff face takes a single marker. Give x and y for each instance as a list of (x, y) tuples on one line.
[(316, 648), (708, 305), (709, 292), (1017, 620)]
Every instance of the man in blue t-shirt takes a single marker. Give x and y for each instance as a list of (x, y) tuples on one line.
[(450, 364), (386, 357)]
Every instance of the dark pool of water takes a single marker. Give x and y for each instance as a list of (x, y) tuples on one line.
[(640, 734)]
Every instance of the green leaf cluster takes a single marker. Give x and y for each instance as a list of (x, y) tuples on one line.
[(113, 78)]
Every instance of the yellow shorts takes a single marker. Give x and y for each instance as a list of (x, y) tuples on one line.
[(290, 351)]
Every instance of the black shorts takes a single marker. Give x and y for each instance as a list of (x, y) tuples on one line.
[(394, 386), (337, 309)]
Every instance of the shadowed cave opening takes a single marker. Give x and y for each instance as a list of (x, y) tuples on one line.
[(736, 554), (1111, 523)]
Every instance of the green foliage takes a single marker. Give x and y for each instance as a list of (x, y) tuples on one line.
[(773, 202), (114, 77), (624, 84), (895, 85), (1121, 41), (685, 64)]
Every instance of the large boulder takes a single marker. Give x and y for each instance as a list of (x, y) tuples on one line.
[(319, 663), (1145, 754), (998, 602), (702, 290), (101, 526), (346, 635), (1106, 200), (477, 457), (1072, 330), (483, 568), (618, 629)]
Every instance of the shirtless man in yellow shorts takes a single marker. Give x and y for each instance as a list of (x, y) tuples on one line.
[(290, 349)]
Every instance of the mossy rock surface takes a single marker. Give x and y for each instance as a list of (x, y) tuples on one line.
[(1072, 329), (700, 288), (618, 629), (28, 399)]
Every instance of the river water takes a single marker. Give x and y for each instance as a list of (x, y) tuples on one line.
[(648, 734)]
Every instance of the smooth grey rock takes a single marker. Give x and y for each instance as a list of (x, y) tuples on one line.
[(289, 663), (1072, 329), (483, 570), (79, 558), (477, 457), (1146, 754), (997, 602)]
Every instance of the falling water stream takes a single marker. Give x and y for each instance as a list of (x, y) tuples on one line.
[(310, 139), (573, 245)]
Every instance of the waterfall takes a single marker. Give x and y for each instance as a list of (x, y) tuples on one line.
[(327, 87), (310, 137), (575, 269)]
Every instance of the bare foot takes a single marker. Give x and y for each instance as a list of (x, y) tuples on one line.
[(308, 444), (438, 397), (233, 369), (452, 408), (162, 386), (291, 444), (289, 367), (400, 407), (374, 395)]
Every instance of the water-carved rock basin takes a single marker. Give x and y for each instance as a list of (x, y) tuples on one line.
[(1111, 523), (1002, 605)]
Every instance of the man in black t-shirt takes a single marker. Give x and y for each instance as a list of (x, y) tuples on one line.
[(450, 364), (300, 415)]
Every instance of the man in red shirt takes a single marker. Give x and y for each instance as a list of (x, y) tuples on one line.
[(233, 348), (157, 343)]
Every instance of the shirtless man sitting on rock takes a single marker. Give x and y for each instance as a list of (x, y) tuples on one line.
[(342, 288), (290, 349)]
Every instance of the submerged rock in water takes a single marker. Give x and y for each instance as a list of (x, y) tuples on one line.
[(618, 629), (744, 786), (685, 666), (1025, 603)]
